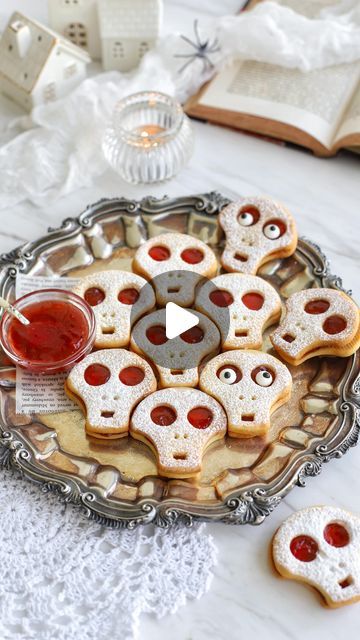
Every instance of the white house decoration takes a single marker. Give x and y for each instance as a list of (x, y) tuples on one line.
[(128, 29), (36, 64), (77, 20)]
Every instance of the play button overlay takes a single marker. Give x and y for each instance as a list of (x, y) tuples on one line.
[(178, 336), (178, 320)]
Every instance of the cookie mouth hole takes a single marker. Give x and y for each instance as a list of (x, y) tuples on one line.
[(347, 582), (173, 289), (177, 372), (108, 331), (241, 333), (240, 257), (247, 417), (107, 414), (288, 337), (180, 456)]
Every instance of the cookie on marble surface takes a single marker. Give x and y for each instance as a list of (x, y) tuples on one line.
[(116, 297), (318, 322), (250, 385), (178, 425), (107, 385), (257, 230), (242, 306), (175, 262), (320, 546)]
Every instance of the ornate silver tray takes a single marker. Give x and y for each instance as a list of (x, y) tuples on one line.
[(116, 482)]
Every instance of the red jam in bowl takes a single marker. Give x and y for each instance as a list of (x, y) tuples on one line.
[(61, 331)]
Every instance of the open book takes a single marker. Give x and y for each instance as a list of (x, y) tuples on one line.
[(319, 109)]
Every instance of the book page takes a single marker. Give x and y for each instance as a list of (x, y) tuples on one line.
[(351, 120), (314, 102)]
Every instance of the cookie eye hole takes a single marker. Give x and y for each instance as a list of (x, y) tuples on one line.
[(200, 417), (156, 334), (159, 253), (263, 376), (96, 375), (94, 296), (274, 229), (192, 256), (128, 296), (229, 374), (334, 324), (336, 535), (193, 335), (304, 548), (317, 306), (248, 216), (253, 301), (132, 376), (221, 298), (163, 415)]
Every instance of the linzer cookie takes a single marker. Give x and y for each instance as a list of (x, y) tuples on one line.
[(107, 385), (250, 385), (318, 322), (117, 297), (320, 546), (177, 360), (242, 306), (256, 230), (175, 262), (178, 425)]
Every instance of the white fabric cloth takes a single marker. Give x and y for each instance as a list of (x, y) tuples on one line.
[(62, 151), (65, 577)]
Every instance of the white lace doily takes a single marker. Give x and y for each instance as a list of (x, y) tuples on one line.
[(64, 577)]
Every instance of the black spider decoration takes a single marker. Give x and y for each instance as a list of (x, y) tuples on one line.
[(202, 50)]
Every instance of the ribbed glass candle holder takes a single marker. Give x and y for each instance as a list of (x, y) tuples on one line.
[(150, 138)]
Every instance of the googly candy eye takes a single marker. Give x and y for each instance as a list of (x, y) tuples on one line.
[(248, 216), (229, 374), (263, 377), (274, 229)]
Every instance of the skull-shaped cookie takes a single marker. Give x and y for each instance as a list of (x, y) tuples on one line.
[(317, 322), (242, 306), (117, 298), (177, 360), (178, 424), (250, 385), (107, 385), (175, 262), (256, 230), (321, 547)]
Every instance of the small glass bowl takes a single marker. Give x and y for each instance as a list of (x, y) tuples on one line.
[(150, 138), (46, 295)]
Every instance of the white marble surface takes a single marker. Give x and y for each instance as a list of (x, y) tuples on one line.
[(246, 599)]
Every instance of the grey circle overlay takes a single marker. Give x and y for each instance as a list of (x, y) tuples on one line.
[(190, 348)]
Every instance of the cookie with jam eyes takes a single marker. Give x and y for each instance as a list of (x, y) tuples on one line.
[(317, 322), (175, 263), (250, 385), (257, 230)]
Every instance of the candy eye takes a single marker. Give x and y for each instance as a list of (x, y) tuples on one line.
[(229, 374), (263, 376), (274, 229), (248, 216)]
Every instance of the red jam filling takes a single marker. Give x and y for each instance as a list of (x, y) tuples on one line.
[(192, 256), (336, 535), (94, 296), (163, 415), (304, 548), (57, 331), (159, 253), (221, 298), (200, 417), (193, 335), (253, 301), (317, 306), (156, 334), (97, 374), (128, 296), (334, 324), (132, 376)]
